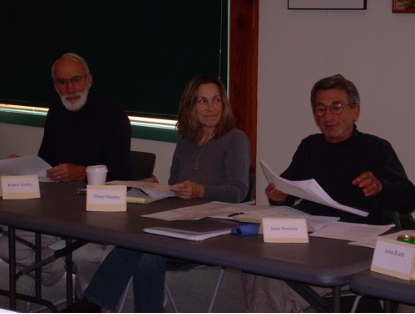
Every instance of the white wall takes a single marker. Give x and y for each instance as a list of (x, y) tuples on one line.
[(372, 48), (25, 140)]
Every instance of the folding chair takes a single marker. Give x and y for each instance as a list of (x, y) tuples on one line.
[(183, 265)]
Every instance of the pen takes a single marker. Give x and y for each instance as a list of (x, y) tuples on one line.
[(234, 214)]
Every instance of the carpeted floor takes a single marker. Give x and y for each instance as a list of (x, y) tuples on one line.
[(192, 291)]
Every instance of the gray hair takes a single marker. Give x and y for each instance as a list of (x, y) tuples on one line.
[(72, 56), (336, 81)]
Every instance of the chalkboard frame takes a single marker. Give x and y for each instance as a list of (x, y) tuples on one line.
[(29, 50)]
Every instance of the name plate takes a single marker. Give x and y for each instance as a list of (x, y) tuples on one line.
[(20, 187), (285, 230), (394, 258), (106, 198)]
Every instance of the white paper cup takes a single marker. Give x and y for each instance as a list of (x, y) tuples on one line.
[(96, 175)]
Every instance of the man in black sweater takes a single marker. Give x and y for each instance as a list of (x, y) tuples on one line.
[(355, 169), (80, 130)]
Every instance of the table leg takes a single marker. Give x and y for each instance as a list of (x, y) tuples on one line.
[(336, 299), (387, 306), (69, 283), (12, 268), (312, 297)]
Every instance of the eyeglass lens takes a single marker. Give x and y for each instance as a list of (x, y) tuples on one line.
[(335, 108), (76, 80)]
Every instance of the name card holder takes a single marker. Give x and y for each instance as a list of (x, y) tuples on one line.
[(285, 230), (106, 198), (20, 187), (394, 258)]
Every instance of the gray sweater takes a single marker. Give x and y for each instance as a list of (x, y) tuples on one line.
[(223, 166)]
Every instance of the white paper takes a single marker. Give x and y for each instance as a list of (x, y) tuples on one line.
[(240, 211), (308, 189), (25, 165), (186, 236), (371, 242), (351, 231), (149, 195)]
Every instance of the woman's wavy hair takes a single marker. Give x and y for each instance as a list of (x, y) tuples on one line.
[(188, 124)]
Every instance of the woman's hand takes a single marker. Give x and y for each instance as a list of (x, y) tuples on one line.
[(188, 190)]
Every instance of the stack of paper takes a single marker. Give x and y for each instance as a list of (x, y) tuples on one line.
[(194, 230)]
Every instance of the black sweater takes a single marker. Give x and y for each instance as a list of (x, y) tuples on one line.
[(335, 166), (98, 134)]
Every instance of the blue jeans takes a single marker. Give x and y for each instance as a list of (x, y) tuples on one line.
[(111, 278)]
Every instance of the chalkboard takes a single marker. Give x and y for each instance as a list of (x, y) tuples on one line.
[(140, 52)]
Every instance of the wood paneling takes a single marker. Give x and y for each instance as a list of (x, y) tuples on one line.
[(244, 68)]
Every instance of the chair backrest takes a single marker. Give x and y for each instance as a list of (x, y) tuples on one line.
[(143, 164), (252, 180)]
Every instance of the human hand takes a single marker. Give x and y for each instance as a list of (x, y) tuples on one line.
[(13, 156), (369, 184), (66, 172), (188, 190), (275, 195), (152, 180)]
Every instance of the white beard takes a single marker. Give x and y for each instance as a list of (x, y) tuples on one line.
[(75, 105)]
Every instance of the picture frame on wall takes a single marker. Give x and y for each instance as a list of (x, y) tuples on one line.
[(327, 4), (403, 6)]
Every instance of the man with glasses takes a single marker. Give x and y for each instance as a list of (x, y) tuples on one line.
[(356, 169), (80, 130)]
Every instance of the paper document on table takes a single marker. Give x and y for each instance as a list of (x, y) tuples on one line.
[(255, 215), (25, 165), (152, 189), (351, 231), (197, 212), (308, 189), (371, 242), (194, 230), (139, 197), (242, 213)]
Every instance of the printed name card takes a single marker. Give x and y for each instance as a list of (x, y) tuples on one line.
[(394, 258), (106, 198), (20, 187), (285, 230)]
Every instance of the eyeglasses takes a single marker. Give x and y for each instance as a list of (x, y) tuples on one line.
[(336, 108), (76, 81)]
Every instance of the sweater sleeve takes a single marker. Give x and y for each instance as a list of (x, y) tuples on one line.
[(398, 193)]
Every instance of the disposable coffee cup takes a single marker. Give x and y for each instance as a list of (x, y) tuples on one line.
[(96, 175)]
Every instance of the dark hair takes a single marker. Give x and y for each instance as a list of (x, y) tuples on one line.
[(336, 81), (188, 124)]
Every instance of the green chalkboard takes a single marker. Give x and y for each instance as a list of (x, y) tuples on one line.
[(140, 52)]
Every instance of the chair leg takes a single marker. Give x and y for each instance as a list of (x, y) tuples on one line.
[(124, 296), (215, 293), (170, 297), (42, 308), (356, 303), (213, 300)]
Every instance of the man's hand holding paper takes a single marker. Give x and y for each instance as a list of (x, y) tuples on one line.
[(307, 189)]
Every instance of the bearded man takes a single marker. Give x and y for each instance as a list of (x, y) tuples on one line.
[(80, 130), (83, 129)]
